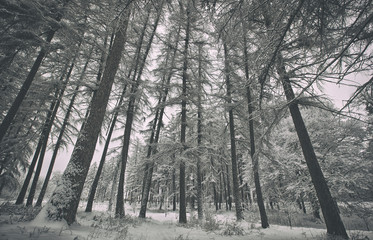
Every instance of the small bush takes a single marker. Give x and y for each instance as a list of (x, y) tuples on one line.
[(233, 229), (210, 224)]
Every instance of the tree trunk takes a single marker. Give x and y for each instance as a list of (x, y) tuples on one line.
[(173, 190), (65, 199), (60, 136), (199, 135), (113, 185), (329, 208), (236, 189), (94, 185), (228, 194), (5, 124), (156, 128), (40, 147), (119, 211), (49, 124), (216, 200), (254, 157), (182, 208)]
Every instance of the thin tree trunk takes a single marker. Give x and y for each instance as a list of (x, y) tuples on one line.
[(214, 188), (93, 189), (182, 208), (155, 135), (113, 186), (65, 199), (59, 139), (119, 211), (228, 195), (199, 135), (174, 190), (5, 124), (254, 157), (49, 124), (22, 194), (329, 208), (236, 189)]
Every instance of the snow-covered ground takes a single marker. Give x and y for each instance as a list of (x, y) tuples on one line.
[(158, 226)]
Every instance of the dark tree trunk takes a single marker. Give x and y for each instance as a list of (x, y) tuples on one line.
[(216, 200), (5, 124), (48, 125), (199, 137), (119, 210), (223, 188), (236, 189), (254, 158), (40, 148), (228, 195), (94, 185), (60, 137), (329, 208), (182, 208), (26, 182), (65, 199), (173, 190), (156, 129), (303, 205)]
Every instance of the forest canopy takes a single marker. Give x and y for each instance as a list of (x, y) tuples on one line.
[(188, 103)]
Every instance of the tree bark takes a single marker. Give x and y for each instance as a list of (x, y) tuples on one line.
[(65, 199), (329, 208)]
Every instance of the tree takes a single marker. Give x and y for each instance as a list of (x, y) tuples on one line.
[(254, 156), (139, 65), (182, 208), (157, 124), (329, 208), (65, 199), (5, 124), (236, 191)]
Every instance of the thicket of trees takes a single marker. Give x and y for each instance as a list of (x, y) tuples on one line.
[(228, 96)]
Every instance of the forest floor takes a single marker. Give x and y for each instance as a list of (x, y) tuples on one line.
[(17, 223)]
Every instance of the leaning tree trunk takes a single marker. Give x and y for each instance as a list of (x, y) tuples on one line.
[(65, 198), (236, 186), (329, 208), (41, 143), (5, 124), (94, 185), (60, 137), (119, 210), (254, 157), (49, 124), (155, 134)]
